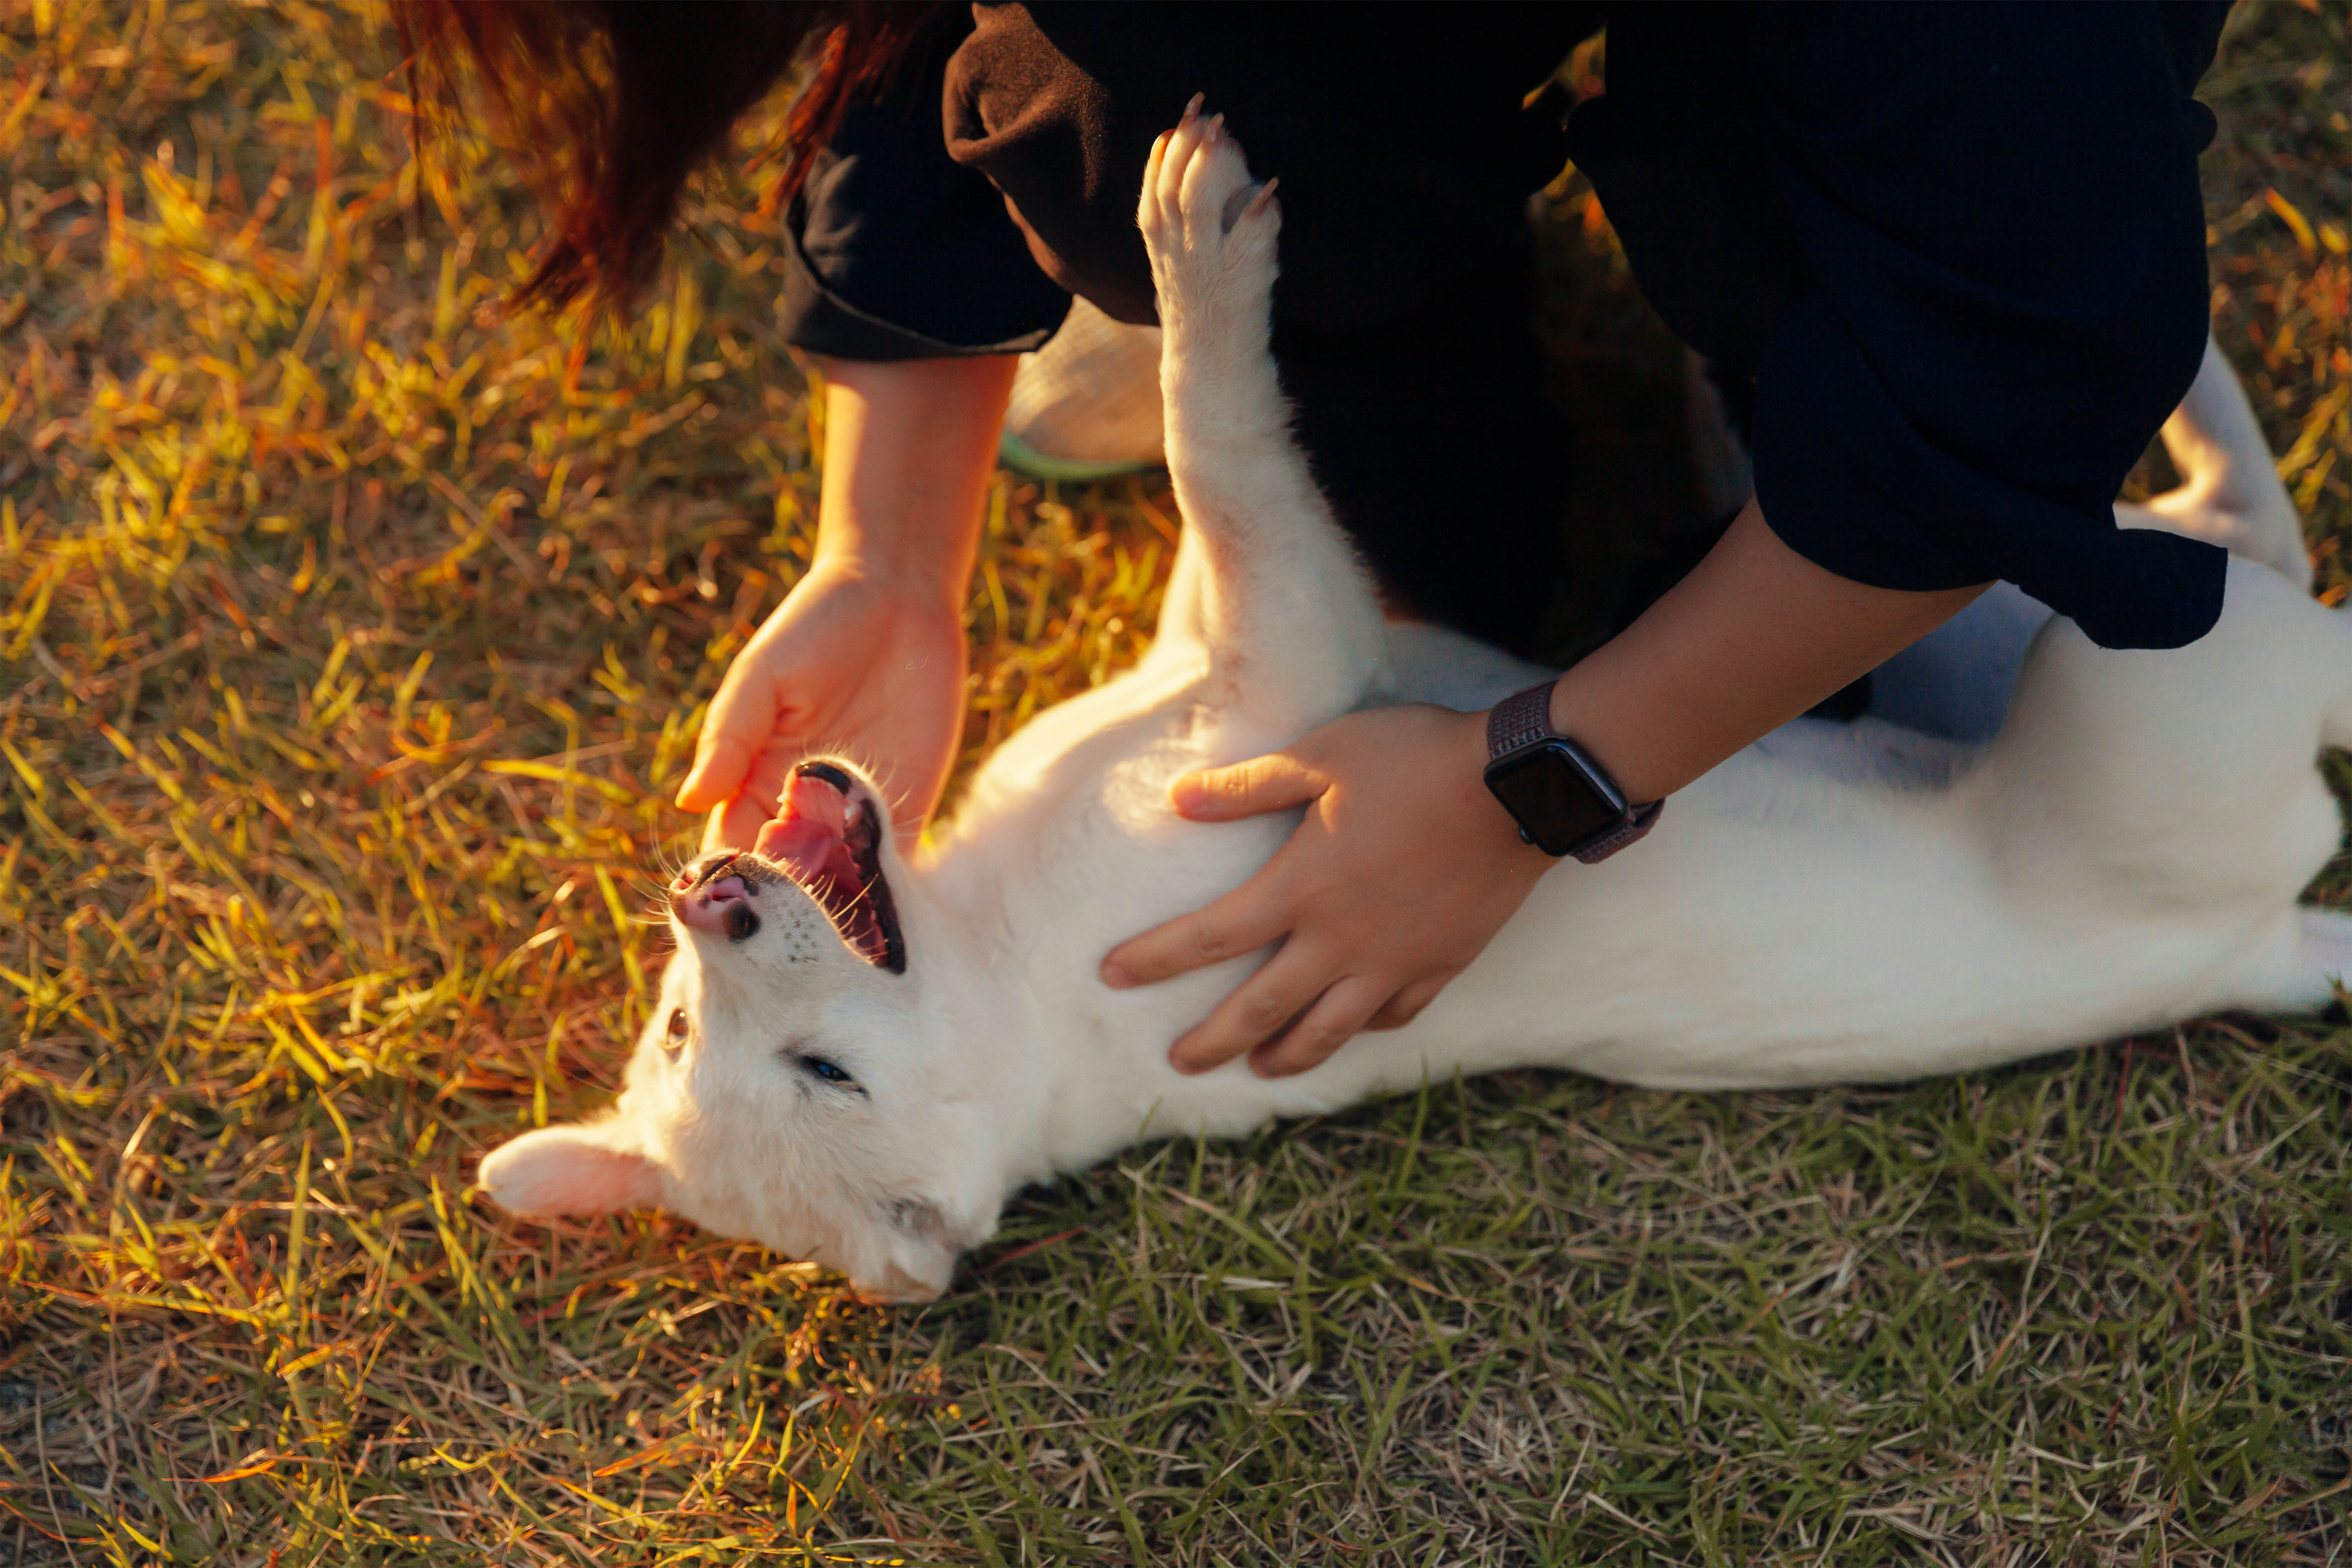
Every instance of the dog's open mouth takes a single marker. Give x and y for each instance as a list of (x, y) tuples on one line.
[(827, 837)]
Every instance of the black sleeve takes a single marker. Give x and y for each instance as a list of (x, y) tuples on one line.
[(2000, 216), (893, 251), (1961, 249)]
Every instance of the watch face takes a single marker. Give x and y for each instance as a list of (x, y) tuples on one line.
[(1554, 796)]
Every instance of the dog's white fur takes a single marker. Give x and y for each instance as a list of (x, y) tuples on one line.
[(1836, 903)]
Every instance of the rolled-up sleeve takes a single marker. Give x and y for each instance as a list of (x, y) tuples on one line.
[(2005, 296), (896, 252), (1962, 250)]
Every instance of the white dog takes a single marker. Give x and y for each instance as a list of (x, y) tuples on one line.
[(859, 1054)]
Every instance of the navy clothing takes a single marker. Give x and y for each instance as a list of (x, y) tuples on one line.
[(1958, 248), (895, 252)]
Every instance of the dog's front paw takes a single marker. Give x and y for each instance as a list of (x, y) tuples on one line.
[(1210, 229)]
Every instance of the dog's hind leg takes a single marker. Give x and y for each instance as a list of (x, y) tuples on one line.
[(2323, 960), (1271, 590), (2177, 783), (2230, 493), (2303, 966)]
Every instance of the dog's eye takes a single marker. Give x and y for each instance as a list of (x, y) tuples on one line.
[(679, 1029), (830, 1072)]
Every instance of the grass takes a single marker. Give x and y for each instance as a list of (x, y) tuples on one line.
[(352, 639)]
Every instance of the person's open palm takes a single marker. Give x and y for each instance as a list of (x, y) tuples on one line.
[(845, 666)]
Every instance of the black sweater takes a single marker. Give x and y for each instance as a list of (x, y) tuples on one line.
[(1959, 247)]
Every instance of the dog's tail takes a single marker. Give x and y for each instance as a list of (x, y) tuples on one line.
[(2230, 493)]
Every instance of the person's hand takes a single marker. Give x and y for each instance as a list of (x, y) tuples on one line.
[(866, 656), (1402, 871), (846, 664)]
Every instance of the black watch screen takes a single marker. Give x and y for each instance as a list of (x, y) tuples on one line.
[(1561, 797)]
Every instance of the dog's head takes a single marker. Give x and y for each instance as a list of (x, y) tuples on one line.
[(789, 1086)]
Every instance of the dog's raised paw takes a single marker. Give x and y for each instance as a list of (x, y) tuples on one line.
[(1207, 225)]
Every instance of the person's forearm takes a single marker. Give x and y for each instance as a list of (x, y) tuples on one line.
[(1750, 639), (909, 447)]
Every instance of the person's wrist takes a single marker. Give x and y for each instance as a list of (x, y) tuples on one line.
[(1597, 725), (1496, 824), (909, 589)]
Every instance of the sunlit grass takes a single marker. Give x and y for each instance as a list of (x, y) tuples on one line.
[(354, 637)]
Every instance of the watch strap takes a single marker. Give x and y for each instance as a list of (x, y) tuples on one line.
[(1523, 719), (1594, 850), (1518, 720)]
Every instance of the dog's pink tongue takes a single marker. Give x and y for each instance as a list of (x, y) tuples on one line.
[(809, 828)]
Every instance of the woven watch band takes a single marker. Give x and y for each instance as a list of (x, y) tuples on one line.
[(1608, 844), (1525, 718), (1520, 720)]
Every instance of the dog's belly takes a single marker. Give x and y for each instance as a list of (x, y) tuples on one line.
[(1835, 903), (1787, 929), (1766, 945), (1686, 964)]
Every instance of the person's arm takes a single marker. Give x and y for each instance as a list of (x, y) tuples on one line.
[(866, 655), (1753, 637), (1405, 866)]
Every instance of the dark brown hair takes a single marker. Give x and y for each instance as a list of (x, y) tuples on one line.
[(612, 103)]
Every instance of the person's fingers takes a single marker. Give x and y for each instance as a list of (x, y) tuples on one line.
[(1405, 1006), (1261, 1007), (1336, 1017), (737, 819), (1243, 920), (1270, 783), (736, 825), (734, 732)]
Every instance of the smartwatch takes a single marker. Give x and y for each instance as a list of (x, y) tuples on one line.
[(1564, 802)]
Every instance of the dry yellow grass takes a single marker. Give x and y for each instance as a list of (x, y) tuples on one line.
[(352, 639)]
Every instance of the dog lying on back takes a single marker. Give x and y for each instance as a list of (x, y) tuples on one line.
[(859, 1053)]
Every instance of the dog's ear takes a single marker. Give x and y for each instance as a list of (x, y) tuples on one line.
[(923, 1221), (918, 1253), (592, 1170)]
